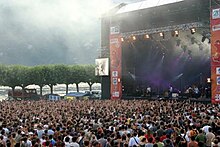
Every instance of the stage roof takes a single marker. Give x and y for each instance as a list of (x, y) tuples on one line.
[(145, 4)]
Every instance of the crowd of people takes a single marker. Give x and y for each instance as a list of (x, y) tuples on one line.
[(108, 123)]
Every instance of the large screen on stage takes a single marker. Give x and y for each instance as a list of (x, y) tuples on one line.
[(102, 67)]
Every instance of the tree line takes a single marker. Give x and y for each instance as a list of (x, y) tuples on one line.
[(51, 75)]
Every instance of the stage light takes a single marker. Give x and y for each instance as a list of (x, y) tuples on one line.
[(203, 38), (161, 34), (193, 30), (122, 39), (208, 80), (134, 38), (146, 36), (176, 33)]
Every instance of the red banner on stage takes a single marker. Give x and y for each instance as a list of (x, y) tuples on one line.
[(115, 63), (215, 54)]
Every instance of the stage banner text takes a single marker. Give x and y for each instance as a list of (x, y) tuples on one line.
[(215, 54), (115, 63)]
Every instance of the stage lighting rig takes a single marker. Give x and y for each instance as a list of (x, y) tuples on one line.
[(175, 33), (193, 30), (134, 38), (161, 34), (146, 36), (122, 39), (172, 28)]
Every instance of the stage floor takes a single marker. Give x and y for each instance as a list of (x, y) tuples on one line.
[(199, 100)]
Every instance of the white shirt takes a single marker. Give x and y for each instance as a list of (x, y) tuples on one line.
[(206, 129), (29, 143), (6, 130), (74, 144), (69, 137), (187, 136), (50, 132), (132, 141)]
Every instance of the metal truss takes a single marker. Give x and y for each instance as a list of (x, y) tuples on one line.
[(186, 26)]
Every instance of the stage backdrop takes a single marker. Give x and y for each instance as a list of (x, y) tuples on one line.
[(215, 54), (115, 63)]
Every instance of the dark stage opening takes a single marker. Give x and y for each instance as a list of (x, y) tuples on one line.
[(181, 62)]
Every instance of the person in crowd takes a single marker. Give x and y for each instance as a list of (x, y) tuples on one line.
[(209, 138), (150, 143), (134, 140), (143, 142), (158, 142), (108, 123), (201, 138), (193, 142)]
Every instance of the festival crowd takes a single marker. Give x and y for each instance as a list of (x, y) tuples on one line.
[(107, 123)]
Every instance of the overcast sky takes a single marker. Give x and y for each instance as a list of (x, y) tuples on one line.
[(36, 32)]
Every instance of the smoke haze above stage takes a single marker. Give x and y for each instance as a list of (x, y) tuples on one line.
[(157, 62)]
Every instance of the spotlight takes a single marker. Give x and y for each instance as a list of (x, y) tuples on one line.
[(193, 30), (208, 80), (134, 38), (203, 38), (161, 34), (146, 36), (122, 39), (176, 33)]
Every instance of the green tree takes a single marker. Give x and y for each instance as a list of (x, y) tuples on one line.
[(68, 72), (3, 74), (89, 76), (24, 76), (61, 75), (13, 77), (76, 75), (37, 75), (50, 77)]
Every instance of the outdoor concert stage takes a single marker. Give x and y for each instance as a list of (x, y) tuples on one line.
[(162, 43)]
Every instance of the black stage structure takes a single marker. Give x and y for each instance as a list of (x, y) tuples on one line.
[(146, 24)]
